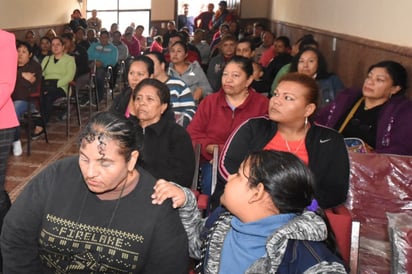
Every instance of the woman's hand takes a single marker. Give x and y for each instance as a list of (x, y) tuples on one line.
[(197, 94), (29, 76), (209, 148), (164, 190)]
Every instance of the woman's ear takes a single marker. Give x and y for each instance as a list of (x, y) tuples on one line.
[(310, 109), (249, 81), (258, 193), (163, 108), (394, 90), (133, 160)]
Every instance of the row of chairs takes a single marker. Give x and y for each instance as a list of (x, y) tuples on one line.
[(72, 98)]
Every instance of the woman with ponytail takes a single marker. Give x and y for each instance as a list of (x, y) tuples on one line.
[(269, 222)]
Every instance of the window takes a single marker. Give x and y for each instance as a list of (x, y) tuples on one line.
[(122, 12)]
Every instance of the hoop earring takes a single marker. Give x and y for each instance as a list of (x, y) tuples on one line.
[(306, 121)]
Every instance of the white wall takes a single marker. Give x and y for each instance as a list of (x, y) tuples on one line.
[(380, 20)]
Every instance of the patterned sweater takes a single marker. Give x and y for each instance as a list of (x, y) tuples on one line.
[(296, 247)]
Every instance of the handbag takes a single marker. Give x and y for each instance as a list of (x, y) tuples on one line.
[(48, 84)]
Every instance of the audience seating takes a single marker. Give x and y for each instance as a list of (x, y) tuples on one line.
[(72, 93), (379, 183), (28, 121), (346, 233), (202, 199)]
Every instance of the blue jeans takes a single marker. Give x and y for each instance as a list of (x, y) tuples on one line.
[(100, 76), (206, 180), (21, 107)]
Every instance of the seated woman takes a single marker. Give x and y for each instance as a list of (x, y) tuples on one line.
[(181, 98), (305, 41), (289, 128), (60, 69), (28, 79), (310, 61), (140, 68), (222, 112), (191, 73), (377, 114), (270, 224), (45, 48), (92, 213), (167, 149)]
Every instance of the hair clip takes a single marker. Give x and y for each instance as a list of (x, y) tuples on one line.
[(313, 205)]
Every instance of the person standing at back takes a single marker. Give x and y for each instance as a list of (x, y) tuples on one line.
[(185, 20), (77, 20), (94, 22), (203, 20), (8, 118)]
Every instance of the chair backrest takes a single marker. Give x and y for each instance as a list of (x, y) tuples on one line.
[(202, 199), (214, 167), (195, 181), (346, 231)]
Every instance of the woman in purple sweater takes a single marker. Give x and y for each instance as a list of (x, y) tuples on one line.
[(378, 114)]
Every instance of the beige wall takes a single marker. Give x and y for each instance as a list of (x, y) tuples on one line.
[(163, 10), (380, 20), (255, 9), (23, 13)]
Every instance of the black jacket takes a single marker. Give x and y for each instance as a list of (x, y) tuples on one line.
[(167, 152), (328, 157)]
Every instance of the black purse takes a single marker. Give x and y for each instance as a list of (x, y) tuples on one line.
[(48, 84)]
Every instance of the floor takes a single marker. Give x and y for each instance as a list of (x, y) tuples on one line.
[(22, 168)]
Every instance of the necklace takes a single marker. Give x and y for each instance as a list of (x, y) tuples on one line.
[(297, 148)]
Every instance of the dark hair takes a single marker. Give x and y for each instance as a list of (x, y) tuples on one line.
[(45, 38), (31, 32), (80, 28), (162, 90), (58, 38), (140, 27), (177, 34), (117, 32), (227, 37), (181, 43), (246, 64), (185, 36), (248, 40), (20, 44), (160, 57), (321, 71), (285, 40), (289, 182), (306, 41), (146, 60), (313, 95), (68, 36), (115, 127), (396, 71), (285, 177), (77, 10), (104, 32)]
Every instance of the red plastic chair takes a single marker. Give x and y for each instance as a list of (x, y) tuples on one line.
[(346, 233)]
